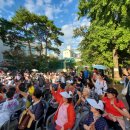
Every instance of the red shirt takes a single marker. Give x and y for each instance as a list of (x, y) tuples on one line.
[(57, 96), (71, 115), (110, 109)]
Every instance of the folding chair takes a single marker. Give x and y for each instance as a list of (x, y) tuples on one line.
[(78, 120), (49, 121), (38, 122)]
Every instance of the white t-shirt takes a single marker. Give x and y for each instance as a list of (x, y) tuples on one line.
[(100, 87), (8, 107), (62, 79)]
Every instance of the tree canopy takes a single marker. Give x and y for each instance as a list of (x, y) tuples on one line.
[(27, 28), (108, 35)]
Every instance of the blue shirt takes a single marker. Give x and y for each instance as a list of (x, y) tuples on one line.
[(86, 74)]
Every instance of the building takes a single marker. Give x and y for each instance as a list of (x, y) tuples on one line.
[(24, 47), (2, 49), (71, 53), (34, 47), (68, 53)]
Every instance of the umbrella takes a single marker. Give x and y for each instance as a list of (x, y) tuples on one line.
[(101, 67), (34, 70)]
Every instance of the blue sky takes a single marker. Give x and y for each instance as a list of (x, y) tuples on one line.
[(62, 12)]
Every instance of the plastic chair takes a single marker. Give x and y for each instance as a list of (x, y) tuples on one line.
[(38, 122), (78, 120), (46, 105), (49, 121)]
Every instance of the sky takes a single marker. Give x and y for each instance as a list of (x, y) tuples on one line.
[(62, 12)]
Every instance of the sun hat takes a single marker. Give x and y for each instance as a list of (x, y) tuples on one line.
[(69, 81), (95, 104), (66, 94), (112, 91)]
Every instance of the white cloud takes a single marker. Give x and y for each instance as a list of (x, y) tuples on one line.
[(30, 5), (39, 2), (43, 7), (6, 3), (9, 2), (67, 2), (47, 1), (68, 32), (49, 12)]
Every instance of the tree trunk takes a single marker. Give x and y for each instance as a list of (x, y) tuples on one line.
[(29, 47), (40, 50), (116, 65), (46, 49)]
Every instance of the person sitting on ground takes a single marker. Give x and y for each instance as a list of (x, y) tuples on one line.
[(115, 110), (94, 119)]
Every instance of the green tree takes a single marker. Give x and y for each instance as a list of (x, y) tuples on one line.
[(10, 33), (25, 19), (109, 32), (27, 27), (46, 32)]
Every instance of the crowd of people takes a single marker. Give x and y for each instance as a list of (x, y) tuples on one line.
[(78, 101)]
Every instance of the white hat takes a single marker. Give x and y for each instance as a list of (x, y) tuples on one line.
[(97, 105), (66, 95), (69, 81)]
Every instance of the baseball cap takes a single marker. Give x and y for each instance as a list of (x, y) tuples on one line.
[(95, 104), (66, 94)]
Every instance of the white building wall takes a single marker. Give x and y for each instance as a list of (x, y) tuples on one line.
[(2, 49), (67, 54)]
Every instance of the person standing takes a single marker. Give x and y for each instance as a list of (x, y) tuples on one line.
[(86, 74), (100, 85)]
